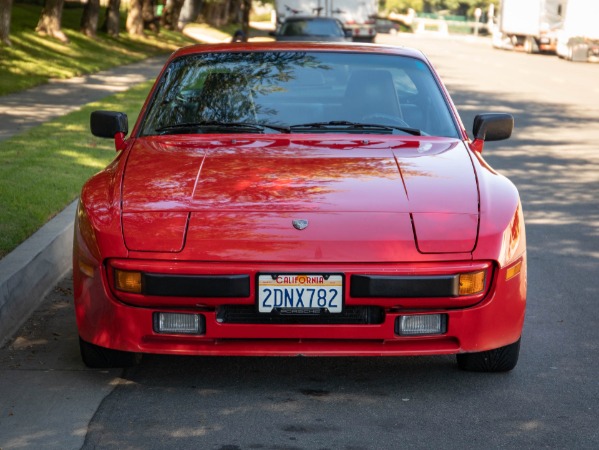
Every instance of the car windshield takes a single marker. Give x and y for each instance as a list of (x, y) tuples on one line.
[(311, 27), (298, 92)]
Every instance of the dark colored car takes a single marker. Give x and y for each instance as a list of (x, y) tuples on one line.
[(387, 26), (312, 29)]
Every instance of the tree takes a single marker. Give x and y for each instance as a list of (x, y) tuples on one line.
[(5, 10), (458, 7), (246, 7), (50, 22), (170, 17), (112, 19), (402, 6), (135, 23), (148, 16), (223, 12), (89, 18)]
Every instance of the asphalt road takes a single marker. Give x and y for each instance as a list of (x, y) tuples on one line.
[(551, 400)]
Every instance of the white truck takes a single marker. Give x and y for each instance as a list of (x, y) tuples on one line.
[(578, 38), (356, 15), (530, 25)]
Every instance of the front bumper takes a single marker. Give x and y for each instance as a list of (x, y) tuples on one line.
[(493, 320)]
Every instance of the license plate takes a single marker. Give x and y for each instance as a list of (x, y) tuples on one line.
[(300, 294)]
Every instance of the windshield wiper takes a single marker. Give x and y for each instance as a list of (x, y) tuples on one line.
[(257, 127), (343, 124)]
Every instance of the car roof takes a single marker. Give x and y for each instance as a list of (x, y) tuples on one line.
[(342, 47)]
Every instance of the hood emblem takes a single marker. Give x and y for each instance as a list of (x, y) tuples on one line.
[(299, 224)]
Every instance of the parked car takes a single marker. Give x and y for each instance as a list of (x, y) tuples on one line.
[(387, 26), (301, 28), (315, 199)]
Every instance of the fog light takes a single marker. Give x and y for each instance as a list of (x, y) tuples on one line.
[(421, 324), (178, 323), (128, 281)]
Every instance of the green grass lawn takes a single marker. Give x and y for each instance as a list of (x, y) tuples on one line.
[(42, 169), (34, 59)]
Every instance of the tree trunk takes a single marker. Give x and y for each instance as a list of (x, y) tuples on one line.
[(135, 23), (216, 13), (5, 10), (112, 20), (170, 17), (89, 19), (147, 13), (51, 19), (246, 7)]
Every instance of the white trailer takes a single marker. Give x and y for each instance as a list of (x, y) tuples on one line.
[(578, 38), (529, 25), (359, 16)]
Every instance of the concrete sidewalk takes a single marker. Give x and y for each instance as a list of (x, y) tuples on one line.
[(35, 106), (34, 268)]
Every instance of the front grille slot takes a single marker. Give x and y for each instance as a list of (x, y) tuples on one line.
[(351, 315)]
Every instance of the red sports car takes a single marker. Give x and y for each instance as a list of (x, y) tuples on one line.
[(282, 199)]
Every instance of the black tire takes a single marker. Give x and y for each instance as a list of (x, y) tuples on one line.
[(530, 45), (98, 357), (502, 359)]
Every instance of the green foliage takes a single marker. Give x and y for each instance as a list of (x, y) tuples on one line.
[(458, 7), (402, 6), (42, 170), (34, 59)]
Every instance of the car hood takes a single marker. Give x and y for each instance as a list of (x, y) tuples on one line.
[(363, 199)]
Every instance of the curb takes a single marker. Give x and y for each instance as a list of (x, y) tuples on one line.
[(30, 271)]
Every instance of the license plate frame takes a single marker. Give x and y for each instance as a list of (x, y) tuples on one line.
[(300, 293)]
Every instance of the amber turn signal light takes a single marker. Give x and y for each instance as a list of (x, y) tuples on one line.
[(472, 283), (513, 271), (86, 269), (128, 281)]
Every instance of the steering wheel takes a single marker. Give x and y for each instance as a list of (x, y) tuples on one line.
[(385, 119)]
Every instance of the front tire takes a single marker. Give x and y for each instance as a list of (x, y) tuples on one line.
[(502, 359), (98, 357)]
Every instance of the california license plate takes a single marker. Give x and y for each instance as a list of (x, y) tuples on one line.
[(300, 294)]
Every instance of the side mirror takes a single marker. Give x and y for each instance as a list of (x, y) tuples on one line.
[(491, 127), (348, 33), (110, 124)]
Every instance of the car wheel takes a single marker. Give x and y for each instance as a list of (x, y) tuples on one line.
[(501, 359), (98, 357), (530, 45)]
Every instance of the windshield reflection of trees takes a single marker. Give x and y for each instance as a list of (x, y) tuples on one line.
[(222, 87)]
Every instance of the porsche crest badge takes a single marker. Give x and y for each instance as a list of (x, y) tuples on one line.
[(299, 224)]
